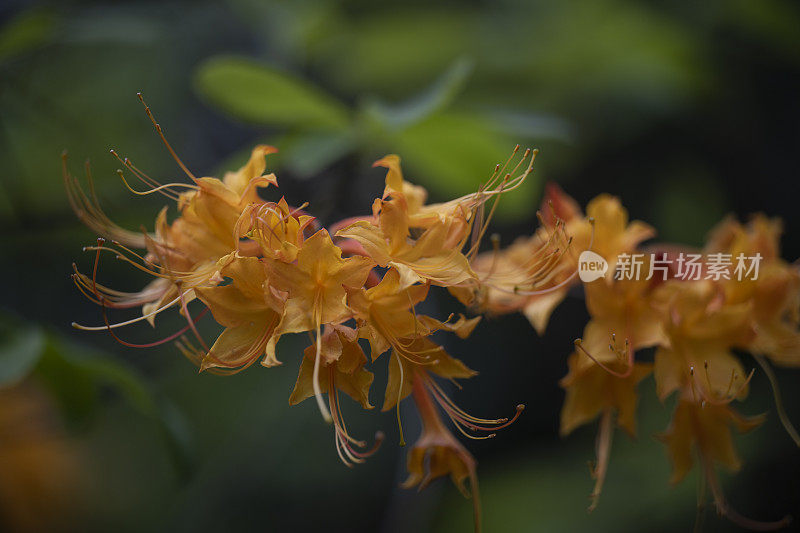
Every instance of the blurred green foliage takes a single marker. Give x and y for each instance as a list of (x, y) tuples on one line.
[(686, 110), (75, 376)]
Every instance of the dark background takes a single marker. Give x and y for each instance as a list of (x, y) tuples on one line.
[(687, 111)]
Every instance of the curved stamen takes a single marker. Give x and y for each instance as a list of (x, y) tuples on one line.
[(160, 188), (708, 395), (315, 379), (776, 393), (628, 355), (724, 508), (462, 420), (603, 449), (397, 404), (164, 139), (346, 446)]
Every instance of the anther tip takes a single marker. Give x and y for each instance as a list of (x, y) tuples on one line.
[(74, 325), (577, 342), (520, 407)]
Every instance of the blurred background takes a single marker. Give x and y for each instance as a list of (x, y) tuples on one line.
[(686, 110)]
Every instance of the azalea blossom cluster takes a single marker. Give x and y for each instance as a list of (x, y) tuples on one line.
[(694, 327), (267, 268)]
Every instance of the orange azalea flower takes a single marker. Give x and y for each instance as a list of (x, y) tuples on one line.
[(434, 256), (706, 429), (603, 377), (342, 368), (184, 255), (275, 228), (534, 274), (593, 391), (702, 332), (468, 207), (315, 288), (387, 319), (248, 309), (774, 292), (437, 453)]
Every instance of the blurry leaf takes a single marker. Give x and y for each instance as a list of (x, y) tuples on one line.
[(393, 53), (75, 375), (531, 125), (687, 204), (19, 354), (455, 153), (258, 93), (772, 21), (433, 99), (26, 31), (583, 57), (178, 438), (108, 27), (308, 154), (74, 390), (108, 372), (304, 154)]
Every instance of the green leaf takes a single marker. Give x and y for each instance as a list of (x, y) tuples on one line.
[(19, 354), (75, 375), (129, 385), (72, 388), (454, 153), (25, 32), (304, 154), (308, 154), (258, 93), (392, 53), (433, 99), (178, 438)]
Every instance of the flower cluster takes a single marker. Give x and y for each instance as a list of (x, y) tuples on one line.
[(694, 325), (267, 268)]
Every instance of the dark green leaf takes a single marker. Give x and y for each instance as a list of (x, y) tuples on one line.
[(75, 375), (433, 99), (453, 154), (258, 93), (19, 353), (308, 154), (28, 30)]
